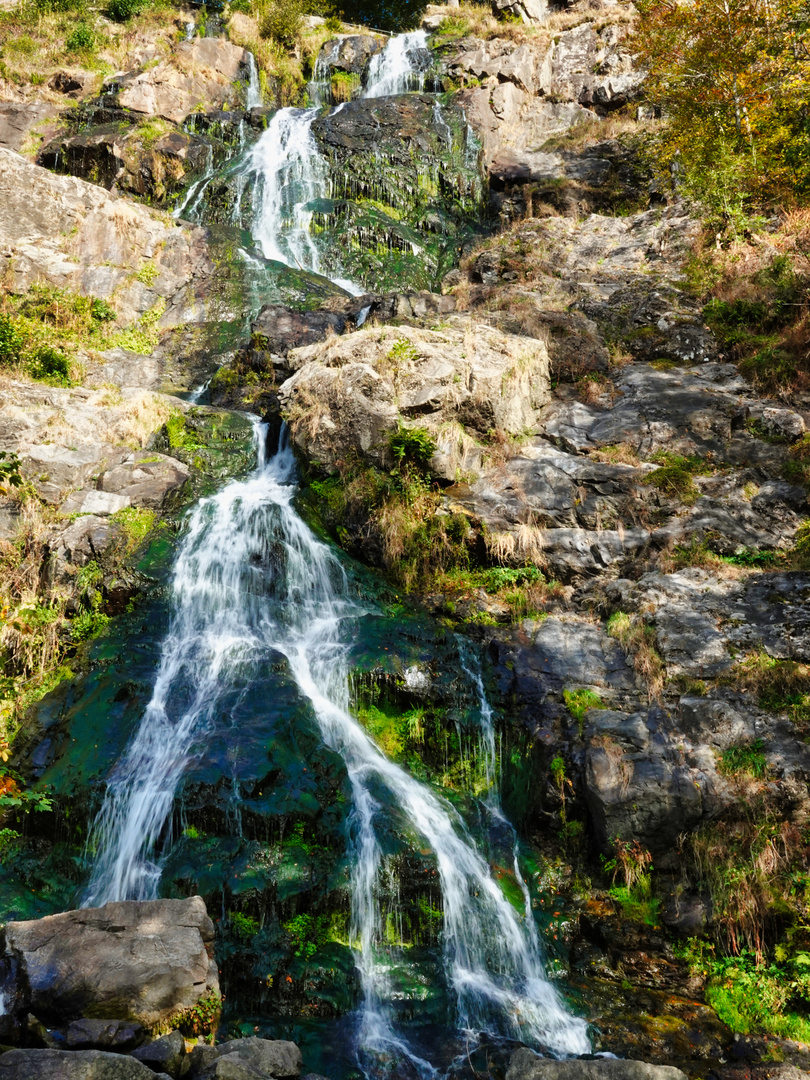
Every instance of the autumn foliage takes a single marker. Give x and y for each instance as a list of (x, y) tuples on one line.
[(732, 78)]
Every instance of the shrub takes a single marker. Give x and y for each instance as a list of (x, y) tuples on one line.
[(50, 364), (123, 10), (415, 445), (282, 23), (11, 341), (81, 38)]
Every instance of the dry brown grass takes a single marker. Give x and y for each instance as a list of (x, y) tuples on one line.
[(637, 639), (619, 454), (32, 45)]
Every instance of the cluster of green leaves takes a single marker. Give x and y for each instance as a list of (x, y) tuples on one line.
[(124, 10), (81, 39), (307, 933), (10, 476), (415, 446), (579, 701), (760, 332), (755, 997), (731, 76), (244, 926)]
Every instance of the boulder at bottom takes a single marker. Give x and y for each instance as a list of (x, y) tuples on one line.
[(147, 961), (72, 1065), (526, 1065)]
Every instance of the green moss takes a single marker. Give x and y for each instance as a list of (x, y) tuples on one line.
[(136, 522), (675, 475)]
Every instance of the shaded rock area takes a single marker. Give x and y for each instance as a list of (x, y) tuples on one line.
[(119, 158)]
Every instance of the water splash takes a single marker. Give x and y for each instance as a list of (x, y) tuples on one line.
[(399, 67)]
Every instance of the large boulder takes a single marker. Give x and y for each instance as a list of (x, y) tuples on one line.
[(147, 961), (350, 393), (72, 1065), (262, 1059), (76, 235), (199, 72), (526, 1065)]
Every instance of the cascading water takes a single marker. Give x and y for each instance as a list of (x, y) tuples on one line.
[(399, 67), (251, 581), (253, 91), (234, 606)]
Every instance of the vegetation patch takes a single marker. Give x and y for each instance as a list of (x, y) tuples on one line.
[(675, 475), (579, 701), (744, 758), (637, 639)]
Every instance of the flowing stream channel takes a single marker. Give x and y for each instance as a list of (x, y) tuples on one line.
[(251, 581)]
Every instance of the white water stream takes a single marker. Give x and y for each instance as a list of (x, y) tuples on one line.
[(236, 602), (234, 606), (399, 67)]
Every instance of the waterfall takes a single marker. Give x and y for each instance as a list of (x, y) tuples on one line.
[(251, 581), (235, 605), (290, 174), (253, 93), (399, 67)]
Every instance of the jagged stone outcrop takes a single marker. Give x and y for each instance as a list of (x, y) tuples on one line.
[(201, 72), (118, 157)]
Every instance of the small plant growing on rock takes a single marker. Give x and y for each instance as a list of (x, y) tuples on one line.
[(414, 446), (746, 758), (675, 475), (638, 641), (579, 701), (80, 39)]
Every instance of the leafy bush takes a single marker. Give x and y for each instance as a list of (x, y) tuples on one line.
[(49, 364), (412, 445), (11, 341), (81, 38), (123, 10), (281, 22), (10, 476)]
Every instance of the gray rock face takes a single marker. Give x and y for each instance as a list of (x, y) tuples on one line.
[(117, 1035), (164, 1055), (71, 1065), (349, 53), (526, 1065), (144, 961), (20, 123)]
